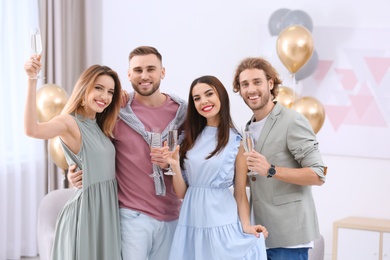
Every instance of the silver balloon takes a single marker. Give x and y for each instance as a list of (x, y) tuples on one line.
[(276, 20), (297, 17), (308, 68)]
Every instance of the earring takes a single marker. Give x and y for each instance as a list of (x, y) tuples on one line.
[(83, 103)]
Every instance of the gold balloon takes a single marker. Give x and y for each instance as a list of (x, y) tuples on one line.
[(56, 153), (286, 96), (294, 47), (312, 109), (51, 99)]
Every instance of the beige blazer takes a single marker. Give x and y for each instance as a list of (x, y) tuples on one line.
[(286, 210)]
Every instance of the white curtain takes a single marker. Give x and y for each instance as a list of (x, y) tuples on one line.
[(70, 46), (22, 159)]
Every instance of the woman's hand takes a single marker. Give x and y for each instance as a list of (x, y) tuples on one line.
[(171, 157), (256, 230), (33, 66)]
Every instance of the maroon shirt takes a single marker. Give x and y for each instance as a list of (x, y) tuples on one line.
[(136, 189)]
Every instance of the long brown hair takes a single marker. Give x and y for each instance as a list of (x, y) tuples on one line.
[(195, 123), (261, 64), (106, 120)]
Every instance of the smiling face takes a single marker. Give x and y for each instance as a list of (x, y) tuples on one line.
[(145, 74), (207, 103), (255, 88), (100, 96)]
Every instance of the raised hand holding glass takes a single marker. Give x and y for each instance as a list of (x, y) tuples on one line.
[(36, 45), (172, 143), (248, 144)]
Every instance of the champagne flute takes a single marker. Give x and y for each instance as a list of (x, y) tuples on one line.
[(248, 144), (155, 142), (172, 143), (36, 45)]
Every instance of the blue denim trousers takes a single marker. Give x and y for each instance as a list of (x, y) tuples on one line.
[(288, 253), (144, 237)]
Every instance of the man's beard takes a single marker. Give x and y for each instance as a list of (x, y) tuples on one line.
[(264, 99), (148, 92)]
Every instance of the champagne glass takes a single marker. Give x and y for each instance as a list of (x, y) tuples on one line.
[(172, 143), (36, 44), (155, 142), (248, 143)]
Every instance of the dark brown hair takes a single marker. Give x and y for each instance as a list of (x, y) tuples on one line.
[(195, 123)]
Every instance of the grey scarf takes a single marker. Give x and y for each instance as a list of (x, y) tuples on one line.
[(128, 116)]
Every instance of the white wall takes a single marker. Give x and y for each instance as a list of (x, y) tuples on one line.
[(354, 187), (211, 37)]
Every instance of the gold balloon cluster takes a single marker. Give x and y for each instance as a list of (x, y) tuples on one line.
[(51, 99), (295, 47), (310, 107)]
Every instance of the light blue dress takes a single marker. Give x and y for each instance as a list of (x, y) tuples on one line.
[(209, 226)]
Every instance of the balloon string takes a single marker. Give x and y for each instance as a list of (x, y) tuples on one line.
[(293, 82)]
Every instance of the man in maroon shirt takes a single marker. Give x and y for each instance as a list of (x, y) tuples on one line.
[(149, 208)]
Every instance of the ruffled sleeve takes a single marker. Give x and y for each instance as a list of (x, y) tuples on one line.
[(227, 168)]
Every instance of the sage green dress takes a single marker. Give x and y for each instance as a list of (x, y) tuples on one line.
[(88, 226)]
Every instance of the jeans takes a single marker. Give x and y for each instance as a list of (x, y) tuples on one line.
[(288, 253), (144, 237)]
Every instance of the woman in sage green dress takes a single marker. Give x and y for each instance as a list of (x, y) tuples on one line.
[(88, 225)]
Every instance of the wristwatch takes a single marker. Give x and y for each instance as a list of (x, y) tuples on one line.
[(271, 171)]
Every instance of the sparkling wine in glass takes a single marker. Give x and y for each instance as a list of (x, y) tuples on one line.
[(172, 143), (248, 143), (155, 142), (36, 44)]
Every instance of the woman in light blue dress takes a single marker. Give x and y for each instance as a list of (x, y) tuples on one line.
[(213, 224)]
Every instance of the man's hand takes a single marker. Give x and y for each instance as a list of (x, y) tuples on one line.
[(124, 98), (257, 162), (75, 177), (156, 155)]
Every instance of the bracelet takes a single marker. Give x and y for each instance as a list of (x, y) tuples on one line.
[(167, 168)]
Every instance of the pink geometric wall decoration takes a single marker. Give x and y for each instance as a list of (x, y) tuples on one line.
[(361, 103), (348, 79), (365, 90), (352, 81), (378, 67), (336, 115), (371, 117), (374, 117), (322, 69)]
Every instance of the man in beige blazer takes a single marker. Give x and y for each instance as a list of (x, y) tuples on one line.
[(286, 161)]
